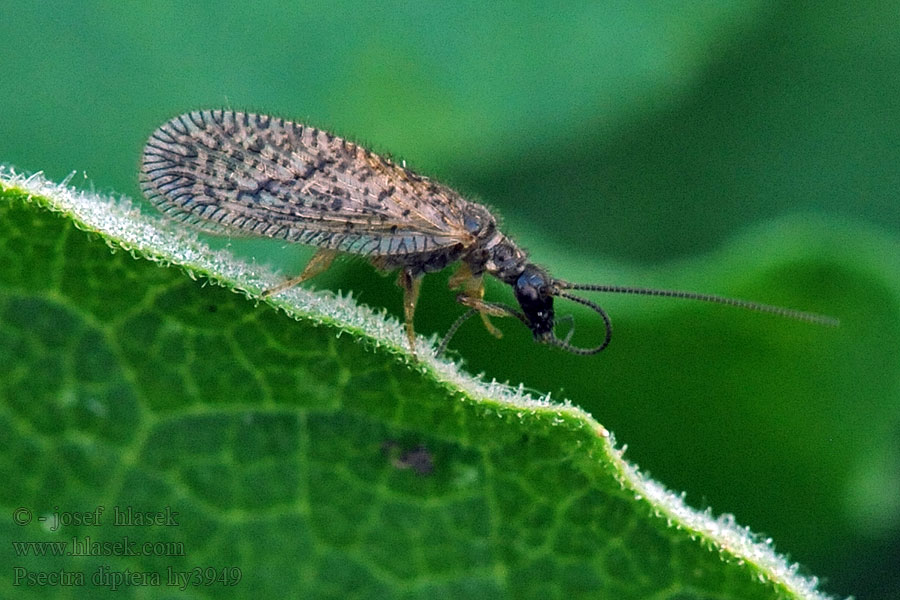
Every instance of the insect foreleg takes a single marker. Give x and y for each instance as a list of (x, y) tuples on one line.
[(320, 261), (472, 287), (485, 308)]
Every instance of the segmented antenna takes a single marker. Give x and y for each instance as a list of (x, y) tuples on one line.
[(799, 315), (781, 311)]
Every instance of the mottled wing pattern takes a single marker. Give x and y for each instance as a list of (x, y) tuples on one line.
[(252, 175)]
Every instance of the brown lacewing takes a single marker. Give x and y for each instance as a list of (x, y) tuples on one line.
[(242, 174)]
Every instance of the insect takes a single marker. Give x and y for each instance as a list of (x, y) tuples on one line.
[(243, 174)]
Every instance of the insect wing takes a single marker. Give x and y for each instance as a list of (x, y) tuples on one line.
[(243, 174)]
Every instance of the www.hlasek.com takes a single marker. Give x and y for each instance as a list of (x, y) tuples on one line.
[(86, 546)]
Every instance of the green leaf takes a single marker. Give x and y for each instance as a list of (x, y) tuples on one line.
[(311, 453)]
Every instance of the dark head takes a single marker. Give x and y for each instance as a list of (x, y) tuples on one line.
[(535, 288), (534, 292)]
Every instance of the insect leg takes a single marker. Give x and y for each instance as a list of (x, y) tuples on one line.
[(473, 288), (485, 308), (460, 276), (320, 261), (410, 284)]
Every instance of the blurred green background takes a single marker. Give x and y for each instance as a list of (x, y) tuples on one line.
[(630, 143)]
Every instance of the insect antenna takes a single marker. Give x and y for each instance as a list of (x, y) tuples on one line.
[(469, 314), (781, 311), (452, 331), (564, 343)]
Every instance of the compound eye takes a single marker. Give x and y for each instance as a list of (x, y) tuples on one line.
[(526, 290)]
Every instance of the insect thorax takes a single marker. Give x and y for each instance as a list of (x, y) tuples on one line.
[(499, 256)]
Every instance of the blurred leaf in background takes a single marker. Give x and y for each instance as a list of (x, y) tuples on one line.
[(623, 143)]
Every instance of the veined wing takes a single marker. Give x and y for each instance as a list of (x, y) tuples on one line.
[(243, 174)]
